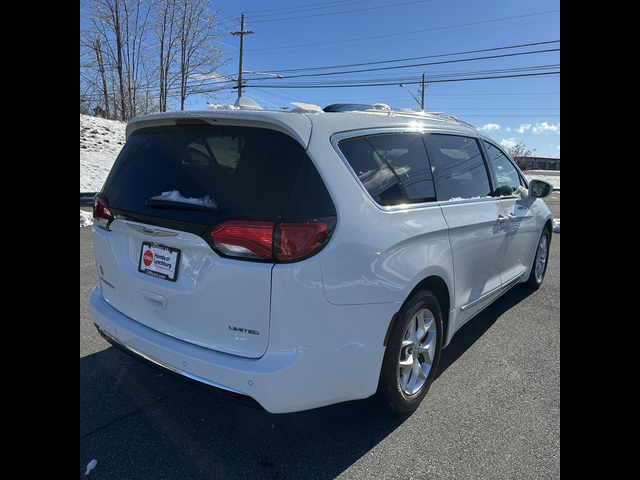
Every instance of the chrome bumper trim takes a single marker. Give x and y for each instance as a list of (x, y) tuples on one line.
[(111, 339)]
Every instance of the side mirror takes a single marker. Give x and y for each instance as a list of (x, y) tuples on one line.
[(540, 189)]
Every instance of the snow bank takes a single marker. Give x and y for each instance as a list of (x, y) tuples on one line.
[(86, 219), (100, 142)]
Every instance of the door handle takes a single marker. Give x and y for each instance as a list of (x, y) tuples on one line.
[(503, 219), (155, 300)]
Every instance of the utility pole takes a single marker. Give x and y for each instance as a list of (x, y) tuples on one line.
[(242, 33), (424, 85), (422, 106)]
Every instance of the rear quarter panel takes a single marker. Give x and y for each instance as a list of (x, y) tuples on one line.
[(377, 255)]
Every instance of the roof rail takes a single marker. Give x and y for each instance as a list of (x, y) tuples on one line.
[(382, 107)]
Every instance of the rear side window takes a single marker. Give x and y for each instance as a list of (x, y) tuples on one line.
[(393, 168), (231, 172), (459, 168)]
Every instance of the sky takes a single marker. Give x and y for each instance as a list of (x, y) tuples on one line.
[(453, 37), (101, 140)]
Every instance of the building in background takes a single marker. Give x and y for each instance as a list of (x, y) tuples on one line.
[(543, 163)]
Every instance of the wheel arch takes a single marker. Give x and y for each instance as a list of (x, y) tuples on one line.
[(440, 289), (549, 226)]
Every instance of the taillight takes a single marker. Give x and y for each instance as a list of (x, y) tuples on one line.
[(297, 240), (244, 239), (286, 241), (101, 213)]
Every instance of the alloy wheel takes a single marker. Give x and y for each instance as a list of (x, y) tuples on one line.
[(541, 257), (417, 351)]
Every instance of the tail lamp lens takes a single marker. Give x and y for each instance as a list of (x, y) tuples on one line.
[(271, 241), (297, 240), (101, 213), (236, 238)]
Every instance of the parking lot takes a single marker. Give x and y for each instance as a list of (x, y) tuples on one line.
[(493, 411)]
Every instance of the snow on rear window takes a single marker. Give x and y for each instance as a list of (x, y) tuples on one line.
[(175, 196)]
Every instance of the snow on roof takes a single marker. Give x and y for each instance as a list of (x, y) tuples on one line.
[(212, 106), (306, 108)]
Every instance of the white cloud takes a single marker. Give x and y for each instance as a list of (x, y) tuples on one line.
[(508, 142), (491, 127), (523, 128), (544, 127)]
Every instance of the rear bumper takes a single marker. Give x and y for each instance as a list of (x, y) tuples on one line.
[(175, 372), (293, 375)]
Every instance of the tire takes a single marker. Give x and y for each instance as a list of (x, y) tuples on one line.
[(405, 376), (540, 261)]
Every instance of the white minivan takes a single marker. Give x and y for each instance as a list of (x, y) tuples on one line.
[(299, 259)]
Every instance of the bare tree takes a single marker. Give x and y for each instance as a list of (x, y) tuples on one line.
[(134, 22), (138, 57), (115, 32), (520, 154), (165, 30), (198, 40), (93, 81)]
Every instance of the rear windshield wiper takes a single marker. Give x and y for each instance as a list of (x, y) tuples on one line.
[(173, 205)]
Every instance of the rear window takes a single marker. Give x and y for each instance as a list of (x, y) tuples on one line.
[(204, 174)]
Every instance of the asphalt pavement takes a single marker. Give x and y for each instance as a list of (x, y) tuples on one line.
[(493, 411)]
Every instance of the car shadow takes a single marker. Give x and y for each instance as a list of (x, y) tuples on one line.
[(139, 423), (475, 328)]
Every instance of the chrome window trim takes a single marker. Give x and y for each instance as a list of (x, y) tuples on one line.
[(468, 200), (338, 137)]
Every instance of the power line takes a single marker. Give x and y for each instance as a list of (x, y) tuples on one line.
[(422, 64), (401, 33), (407, 81), (381, 84), (432, 77), (305, 8), (387, 42), (408, 59), (395, 83), (387, 81), (339, 13)]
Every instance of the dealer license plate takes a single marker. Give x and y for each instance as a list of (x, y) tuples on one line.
[(159, 261)]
